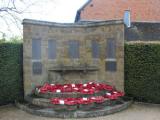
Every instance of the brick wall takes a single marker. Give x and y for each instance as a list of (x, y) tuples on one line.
[(141, 10)]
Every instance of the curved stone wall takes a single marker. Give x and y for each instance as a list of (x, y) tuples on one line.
[(67, 53)]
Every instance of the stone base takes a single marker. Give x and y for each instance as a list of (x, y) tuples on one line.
[(49, 112)]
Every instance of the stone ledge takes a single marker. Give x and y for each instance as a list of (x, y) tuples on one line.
[(68, 25), (49, 112), (68, 94), (44, 102)]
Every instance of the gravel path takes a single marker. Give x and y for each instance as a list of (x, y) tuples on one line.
[(136, 111)]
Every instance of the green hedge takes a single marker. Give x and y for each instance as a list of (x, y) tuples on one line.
[(142, 72), (11, 85)]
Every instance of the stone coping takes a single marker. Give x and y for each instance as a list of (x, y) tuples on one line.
[(43, 102), (68, 25), (49, 112), (67, 94)]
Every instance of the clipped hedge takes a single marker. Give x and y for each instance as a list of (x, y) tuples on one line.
[(142, 72), (11, 85)]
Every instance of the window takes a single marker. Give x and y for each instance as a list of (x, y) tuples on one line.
[(36, 56), (127, 20), (111, 49), (73, 49), (52, 49), (111, 64), (95, 49), (37, 68), (36, 49)]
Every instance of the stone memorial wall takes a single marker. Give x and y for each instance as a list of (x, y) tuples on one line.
[(73, 53)]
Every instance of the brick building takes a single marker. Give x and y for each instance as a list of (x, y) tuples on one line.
[(140, 10), (144, 21)]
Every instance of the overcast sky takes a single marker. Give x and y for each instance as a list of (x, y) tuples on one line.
[(62, 11)]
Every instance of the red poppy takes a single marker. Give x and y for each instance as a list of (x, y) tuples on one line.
[(107, 87), (66, 88), (98, 86), (84, 101), (54, 100), (58, 86), (53, 88), (70, 101), (42, 90), (57, 101), (87, 91), (118, 93), (111, 96), (75, 89), (79, 85), (98, 99)]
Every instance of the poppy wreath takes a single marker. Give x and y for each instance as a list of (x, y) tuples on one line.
[(71, 101), (89, 88), (75, 101)]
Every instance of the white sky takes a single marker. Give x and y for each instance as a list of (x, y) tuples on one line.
[(62, 11)]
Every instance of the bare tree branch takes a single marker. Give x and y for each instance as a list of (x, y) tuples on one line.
[(10, 12)]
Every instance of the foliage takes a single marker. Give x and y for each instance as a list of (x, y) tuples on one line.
[(11, 87), (142, 72), (15, 39)]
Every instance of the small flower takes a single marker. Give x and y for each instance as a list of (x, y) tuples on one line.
[(93, 98), (84, 85), (115, 92), (108, 94), (75, 88), (86, 90), (65, 86), (61, 102), (73, 85), (58, 91), (84, 98), (90, 83)]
